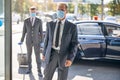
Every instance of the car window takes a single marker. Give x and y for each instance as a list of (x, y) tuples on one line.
[(113, 31), (110, 18), (89, 29)]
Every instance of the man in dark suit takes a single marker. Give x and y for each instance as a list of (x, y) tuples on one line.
[(32, 29), (60, 47)]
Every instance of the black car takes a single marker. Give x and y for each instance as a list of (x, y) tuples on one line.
[(98, 40)]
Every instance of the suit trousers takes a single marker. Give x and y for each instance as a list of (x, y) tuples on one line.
[(56, 61), (37, 56)]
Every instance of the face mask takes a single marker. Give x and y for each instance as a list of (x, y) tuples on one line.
[(32, 14), (60, 14)]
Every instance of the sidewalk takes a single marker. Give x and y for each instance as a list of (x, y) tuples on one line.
[(15, 66), (16, 28), (17, 73)]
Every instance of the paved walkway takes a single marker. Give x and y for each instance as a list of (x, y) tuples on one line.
[(16, 28), (17, 73)]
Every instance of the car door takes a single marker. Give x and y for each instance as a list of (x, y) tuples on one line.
[(113, 40), (91, 40)]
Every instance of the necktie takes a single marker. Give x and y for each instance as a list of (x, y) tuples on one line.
[(57, 34), (32, 21)]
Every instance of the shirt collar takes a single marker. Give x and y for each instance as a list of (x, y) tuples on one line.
[(62, 22), (32, 17)]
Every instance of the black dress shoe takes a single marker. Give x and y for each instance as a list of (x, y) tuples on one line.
[(28, 71), (40, 76)]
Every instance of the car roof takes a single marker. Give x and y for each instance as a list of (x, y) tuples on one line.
[(97, 21), (110, 17)]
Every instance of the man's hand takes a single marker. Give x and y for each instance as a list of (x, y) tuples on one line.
[(42, 45), (43, 57), (68, 63)]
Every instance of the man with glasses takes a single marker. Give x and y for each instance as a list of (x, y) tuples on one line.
[(33, 31), (60, 45)]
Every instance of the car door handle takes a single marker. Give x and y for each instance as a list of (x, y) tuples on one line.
[(115, 42), (82, 38), (102, 42)]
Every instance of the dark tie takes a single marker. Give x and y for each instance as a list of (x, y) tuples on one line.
[(32, 21), (57, 34)]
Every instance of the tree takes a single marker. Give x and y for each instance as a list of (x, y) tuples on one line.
[(18, 7), (94, 10), (22, 7), (114, 7), (70, 8), (117, 3), (82, 9)]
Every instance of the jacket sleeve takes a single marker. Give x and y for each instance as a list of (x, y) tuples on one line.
[(41, 31), (46, 38), (73, 44), (24, 32)]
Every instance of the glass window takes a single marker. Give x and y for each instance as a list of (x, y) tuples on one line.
[(113, 31), (2, 62), (89, 29)]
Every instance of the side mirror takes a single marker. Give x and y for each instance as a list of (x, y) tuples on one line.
[(1, 23)]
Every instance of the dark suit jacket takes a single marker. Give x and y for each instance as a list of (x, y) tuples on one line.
[(34, 34), (68, 42)]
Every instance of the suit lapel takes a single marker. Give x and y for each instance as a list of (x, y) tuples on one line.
[(29, 22), (53, 25), (65, 30), (65, 27), (35, 22)]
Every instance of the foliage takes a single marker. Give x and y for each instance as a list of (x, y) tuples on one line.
[(70, 8), (114, 7), (94, 10), (18, 6), (22, 7), (82, 9)]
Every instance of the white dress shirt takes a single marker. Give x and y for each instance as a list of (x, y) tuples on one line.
[(32, 19), (60, 37)]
